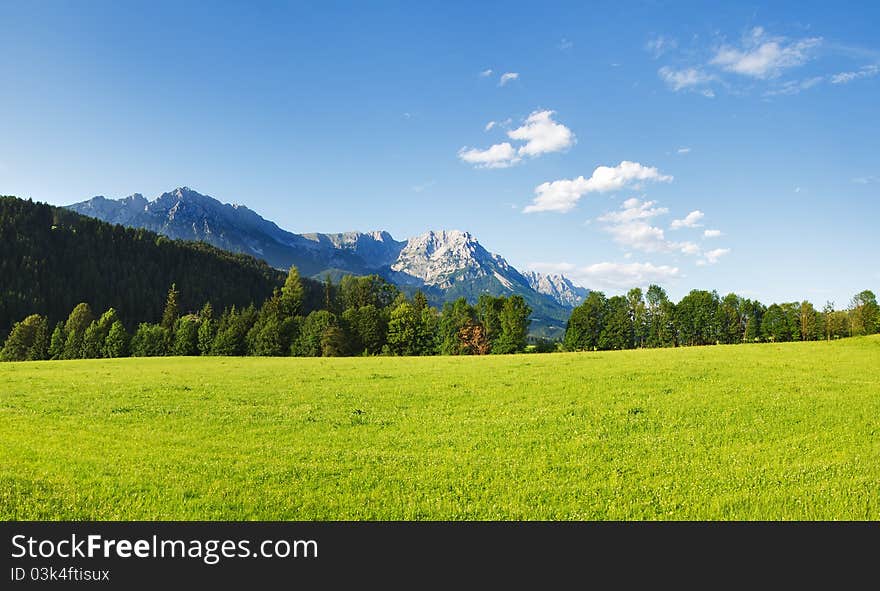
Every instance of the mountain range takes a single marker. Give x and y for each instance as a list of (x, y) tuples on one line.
[(445, 264)]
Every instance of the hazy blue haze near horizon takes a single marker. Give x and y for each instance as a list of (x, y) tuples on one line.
[(340, 116)]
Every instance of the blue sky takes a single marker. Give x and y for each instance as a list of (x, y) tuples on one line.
[(361, 116)]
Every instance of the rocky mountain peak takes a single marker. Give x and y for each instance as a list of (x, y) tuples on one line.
[(557, 286), (438, 257)]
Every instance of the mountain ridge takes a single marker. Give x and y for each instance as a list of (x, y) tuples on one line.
[(446, 264), (557, 286)]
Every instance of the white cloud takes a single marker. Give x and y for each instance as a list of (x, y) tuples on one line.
[(486, 73), (563, 195), (712, 256), (633, 209), (712, 233), (619, 276), (659, 45), (760, 56), (688, 248), (683, 150), (847, 77), (497, 156), (684, 79), (794, 86), (691, 220), (638, 235), (866, 180), (629, 227), (565, 44), (542, 135), (507, 77)]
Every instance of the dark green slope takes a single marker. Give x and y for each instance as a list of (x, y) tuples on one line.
[(52, 258)]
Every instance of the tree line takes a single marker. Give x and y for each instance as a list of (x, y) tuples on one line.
[(359, 316), (650, 319)]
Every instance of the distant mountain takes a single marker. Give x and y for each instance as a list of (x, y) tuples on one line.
[(352, 251), (446, 264), (188, 215), (559, 287)]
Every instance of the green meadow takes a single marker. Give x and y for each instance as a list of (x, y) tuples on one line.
[(787, 431)]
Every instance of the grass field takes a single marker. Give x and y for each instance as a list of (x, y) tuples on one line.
[(788, 431)]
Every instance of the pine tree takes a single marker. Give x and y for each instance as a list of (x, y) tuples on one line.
[(308, 342), (116, 343), (333, 342), (292, 294), (107, 320), (366, 327), (186, 337), (93, 343), (207, 329), (150, 340), (206, 335), (56, 342), (75, 328), (27, 341), (40, 348), (420, 302), (329, 294), (231, 337), (264, 339), (172, 311)]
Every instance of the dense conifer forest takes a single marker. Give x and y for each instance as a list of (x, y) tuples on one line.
[(52, 259)]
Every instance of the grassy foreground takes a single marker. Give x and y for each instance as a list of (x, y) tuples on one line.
[(729, 432)]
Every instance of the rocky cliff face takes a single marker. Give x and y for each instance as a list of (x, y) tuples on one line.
[(441, 258), (559, 287)]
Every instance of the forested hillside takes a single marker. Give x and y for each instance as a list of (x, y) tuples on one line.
[(52, 259)]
